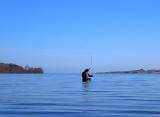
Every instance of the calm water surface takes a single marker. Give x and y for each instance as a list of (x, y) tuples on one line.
[(64, 95)]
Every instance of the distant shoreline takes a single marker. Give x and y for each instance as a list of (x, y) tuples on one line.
[(140, 71), (10, 68)]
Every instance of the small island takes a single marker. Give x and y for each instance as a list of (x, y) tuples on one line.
[(14, 68), (139, 71)]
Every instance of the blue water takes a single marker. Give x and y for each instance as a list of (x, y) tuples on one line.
[(64, 95)]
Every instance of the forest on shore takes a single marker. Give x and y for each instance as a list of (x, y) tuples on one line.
[(14, 68)]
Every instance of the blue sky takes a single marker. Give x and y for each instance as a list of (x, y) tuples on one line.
[(62, 35)]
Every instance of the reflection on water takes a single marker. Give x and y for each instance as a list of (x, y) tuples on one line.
[(61, 95), (86, 85)]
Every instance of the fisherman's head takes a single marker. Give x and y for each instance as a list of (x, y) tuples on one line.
[(86, 70)]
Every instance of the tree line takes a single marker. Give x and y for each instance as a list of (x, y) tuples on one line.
[(14, 68)]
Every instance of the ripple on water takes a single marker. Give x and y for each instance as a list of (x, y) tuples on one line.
[(112, 96)]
